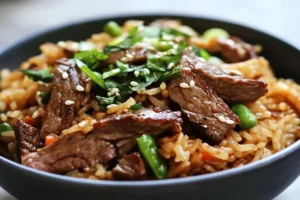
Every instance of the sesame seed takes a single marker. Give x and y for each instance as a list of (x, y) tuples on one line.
[(111, 106), (151, 48), (128, 55), (65, 75), (117, 94), (221, 119), (171, 65), (175, 46), (136, 73), (124, 59), (184, 85), (192, 83), (133, 83), (190, 48), (79, 88), (229, 121), (146, 71), (187, 69), (69, 102), (163, 86)]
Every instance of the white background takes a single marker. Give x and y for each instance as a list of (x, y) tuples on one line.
[(18, 18)]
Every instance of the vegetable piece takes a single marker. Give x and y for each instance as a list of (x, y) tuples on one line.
[(172, 31), (86, 46), (171, 74), (50, 139), (215, 60), (247, 118), (215, 33), (6, 130), (105, 100), (111, 73), (91, 58), (148, 149), (112, 28), (136, 106), (126, 43), (43, 75), (29, 120), (95, 76), (45, 97), (204, 54), (150, 32)]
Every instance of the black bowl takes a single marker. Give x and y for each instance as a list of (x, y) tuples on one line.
[(264, 179)]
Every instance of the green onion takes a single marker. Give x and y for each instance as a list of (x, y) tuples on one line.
[(95, 76), (45, 97), (6, 130), (215, 33), (149, 151), (105, 100), (113, 29), (91, 58), (204, 54), (136, 107), (111, 73), (171, 74), (43, 75), (247, 118)]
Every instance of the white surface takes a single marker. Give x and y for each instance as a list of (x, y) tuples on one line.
[(278, 17)]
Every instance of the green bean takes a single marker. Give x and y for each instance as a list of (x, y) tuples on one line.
[(6, 130), (148, 149), (112, 28), (136, 106), (214, 33), (247, 118)]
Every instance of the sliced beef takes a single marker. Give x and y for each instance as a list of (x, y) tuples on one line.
[(148, 121), (207, 112), (58, 115), (139, 56), (71, 151), (112, 136), (27, 137), (130, 167), (233, 49), (232, 89)]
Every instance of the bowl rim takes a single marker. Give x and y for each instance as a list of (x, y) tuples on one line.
[(152, 183)]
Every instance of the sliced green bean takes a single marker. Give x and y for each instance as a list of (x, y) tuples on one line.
[(247, 118)]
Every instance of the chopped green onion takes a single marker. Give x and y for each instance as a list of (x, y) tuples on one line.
[(247, 118), (116, 41), (136, 107), (149, 151), (43, 75), (45, 97), (111, 73), (105, 100), (95, 76), (171, 74), (113, 29), (91, 58), (215, 33), (204, 54)]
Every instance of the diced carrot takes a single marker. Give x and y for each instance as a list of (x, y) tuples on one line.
[(29, 120), (50, 139), (207, 156)]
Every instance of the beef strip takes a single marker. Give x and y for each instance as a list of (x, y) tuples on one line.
[(27, 137), (207, 112), (58, 115), (233, 49), (77, 150), (139, 56), (232, 89), (148, 121), (71, 151), (130, 167)]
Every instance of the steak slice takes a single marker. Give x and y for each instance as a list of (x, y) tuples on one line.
[(233, 49), (112, 136), (27, 137), (150, 121), (139, 55), (58, 115), (71, 151), (232, 89), (207, 112), (130, 167)]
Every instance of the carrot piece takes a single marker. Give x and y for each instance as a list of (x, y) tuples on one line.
[(50, 139), (207, 156)]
